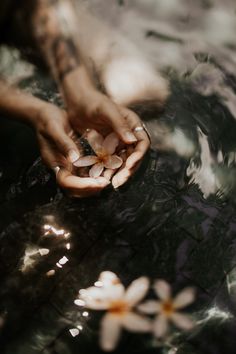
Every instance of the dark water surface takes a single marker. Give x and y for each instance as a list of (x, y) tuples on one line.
[(159, 225)]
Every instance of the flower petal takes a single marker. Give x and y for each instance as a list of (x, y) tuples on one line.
[(137, 290), (136, 323), (101, 298), (149, 307), (96, 170), (113, 162), (160, 326), (109, 278), (115, 292), (95, 140), (95, 298), (110, 143), (162, 289), (184, 298), (109, 332), (182, 321), (86, 161)]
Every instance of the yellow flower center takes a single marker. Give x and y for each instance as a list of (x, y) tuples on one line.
[(168, 308), (102, 156), (119, 307)]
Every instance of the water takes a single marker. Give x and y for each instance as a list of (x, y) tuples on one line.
[(159, 225), (175, 220)]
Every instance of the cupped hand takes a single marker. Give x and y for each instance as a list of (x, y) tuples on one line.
[(59, 148), (94, 110), (105, 117)]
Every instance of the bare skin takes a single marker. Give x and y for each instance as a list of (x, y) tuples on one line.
[(53, 132), (86, 107)]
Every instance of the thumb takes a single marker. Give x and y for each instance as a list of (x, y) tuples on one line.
[(66, 145), (119, 124)]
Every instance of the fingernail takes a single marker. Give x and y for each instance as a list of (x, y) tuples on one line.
[(73, 156), (130, 137), (115, 183), (103, 181)]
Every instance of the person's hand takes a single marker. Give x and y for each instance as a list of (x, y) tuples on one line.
[(59, 148), (90, 109)]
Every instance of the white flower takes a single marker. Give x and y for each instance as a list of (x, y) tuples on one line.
[(168, 308), (105, 151), (119, 304)]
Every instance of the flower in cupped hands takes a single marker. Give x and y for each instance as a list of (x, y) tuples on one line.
[(167, 308), (110, 295), (105, 154)]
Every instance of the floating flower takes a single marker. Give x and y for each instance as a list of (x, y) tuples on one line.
[(168, 308), (119, 304), (105, 154)]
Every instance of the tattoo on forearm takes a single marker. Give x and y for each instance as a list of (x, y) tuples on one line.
[(66, 56), (58, 46)]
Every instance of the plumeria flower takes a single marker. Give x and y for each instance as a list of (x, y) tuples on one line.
[(105, 154), (167, 309), (119, 306)]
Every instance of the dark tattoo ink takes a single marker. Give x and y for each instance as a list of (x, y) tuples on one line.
[(59, 48), (66, 56)]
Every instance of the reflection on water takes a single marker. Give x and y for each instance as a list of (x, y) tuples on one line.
[(202, 173)]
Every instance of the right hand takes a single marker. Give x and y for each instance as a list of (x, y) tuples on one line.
[(90, 109), (58, 148)]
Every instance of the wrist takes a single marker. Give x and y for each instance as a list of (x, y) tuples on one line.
[(78, 81), (35, 112)]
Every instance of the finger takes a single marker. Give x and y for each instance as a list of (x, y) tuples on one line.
[(125, 172), (143, 140), (67, 181), (134, 121), (76, 138), (139, 152), (118, 123), (123, 176), (65, 143), (108, 173), (124, 153), (50, 156)]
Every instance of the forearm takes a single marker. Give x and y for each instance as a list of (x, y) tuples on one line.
[(54, 25), (17, 104)]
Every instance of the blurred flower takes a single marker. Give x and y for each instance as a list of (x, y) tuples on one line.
[(104, 149), (168, 308), (108, 278), (119, 304)]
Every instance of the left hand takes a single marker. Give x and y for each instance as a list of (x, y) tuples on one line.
[(59, 149)]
